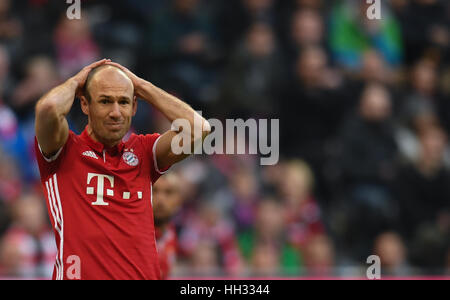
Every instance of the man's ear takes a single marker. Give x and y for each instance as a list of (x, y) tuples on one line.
[(134, 105), (84, 105)]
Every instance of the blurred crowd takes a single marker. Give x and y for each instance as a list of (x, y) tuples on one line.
[(364, 110)]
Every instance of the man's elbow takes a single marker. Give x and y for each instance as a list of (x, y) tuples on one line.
[(46, 108)]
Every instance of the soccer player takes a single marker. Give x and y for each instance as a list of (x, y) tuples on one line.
[(98, 187), (167, 200)]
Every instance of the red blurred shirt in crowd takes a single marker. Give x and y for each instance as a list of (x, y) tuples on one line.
[(166, 242), (304, 222), (27, 256)]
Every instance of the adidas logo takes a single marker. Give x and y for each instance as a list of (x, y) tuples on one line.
[(90, 154)]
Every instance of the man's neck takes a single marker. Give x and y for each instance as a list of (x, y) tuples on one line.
[(107, 144)]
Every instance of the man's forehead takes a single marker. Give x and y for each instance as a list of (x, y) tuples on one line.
[(110, 79)]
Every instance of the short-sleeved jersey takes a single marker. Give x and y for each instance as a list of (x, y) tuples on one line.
[(100, 204)]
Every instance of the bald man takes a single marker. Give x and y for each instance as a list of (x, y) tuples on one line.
[(98, 187)]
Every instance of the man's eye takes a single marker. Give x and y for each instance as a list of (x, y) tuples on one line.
[(104, 101)]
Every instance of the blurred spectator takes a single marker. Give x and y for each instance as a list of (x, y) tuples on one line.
[(28, 249), (237, 16), (74, 45), (424, 78), (368, 160), (208, 226), (265, 261), (266, 245), (259, 10), (429, 249), (167, 201), (5, 76), (8, 128), (425, 26), (407, 135), (303, 214), (352, 33), (182, 36), (245, 195), (369, 149), (312, 106), (11, 184), (253, 76), (392, 253), (423, 95), (40, 77), (11, 27), (307, 28), (205, 260), (186, 33), (319, 257), (375, 69), (422, 186), (4, 216)]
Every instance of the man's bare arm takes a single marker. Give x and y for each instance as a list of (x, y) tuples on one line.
[(173, 109), (51, 126)]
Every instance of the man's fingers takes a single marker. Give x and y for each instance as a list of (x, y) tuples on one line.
[(117, 65), (98, 63)]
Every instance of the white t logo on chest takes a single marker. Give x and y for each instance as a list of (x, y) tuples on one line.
[(100, 188)]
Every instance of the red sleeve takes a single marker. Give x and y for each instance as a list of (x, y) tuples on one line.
[(49, 166), (150, 141)]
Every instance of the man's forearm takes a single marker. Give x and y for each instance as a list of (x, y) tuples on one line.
[(59, 100), (171, 107)]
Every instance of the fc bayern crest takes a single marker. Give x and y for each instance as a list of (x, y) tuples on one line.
[(131, 159)]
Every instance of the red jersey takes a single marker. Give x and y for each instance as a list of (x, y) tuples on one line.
[(166, 243), (100, 204)]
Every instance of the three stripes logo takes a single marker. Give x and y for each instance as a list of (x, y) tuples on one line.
[(90, 154)]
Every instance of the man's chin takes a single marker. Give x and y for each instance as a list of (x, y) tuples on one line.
[(114, 136)]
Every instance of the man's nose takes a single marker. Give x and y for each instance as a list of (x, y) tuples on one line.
[(115, 112)]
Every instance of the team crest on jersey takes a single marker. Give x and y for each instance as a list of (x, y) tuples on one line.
[(131, 159)]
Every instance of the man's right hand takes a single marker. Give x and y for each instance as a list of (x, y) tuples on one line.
[(82, 76)]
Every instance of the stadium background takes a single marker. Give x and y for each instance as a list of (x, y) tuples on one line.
[(364, 113)]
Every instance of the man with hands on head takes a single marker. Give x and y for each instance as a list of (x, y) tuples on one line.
[(98, 187)]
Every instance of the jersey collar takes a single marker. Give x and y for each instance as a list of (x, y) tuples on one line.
[(99, 147)]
